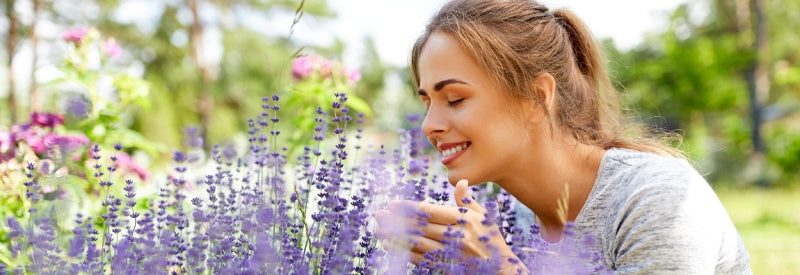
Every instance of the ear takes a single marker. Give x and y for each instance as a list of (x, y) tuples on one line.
[(544, 86)]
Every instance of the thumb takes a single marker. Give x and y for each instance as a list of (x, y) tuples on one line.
[(463, 199)]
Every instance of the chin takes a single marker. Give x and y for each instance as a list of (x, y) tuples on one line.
[(454, 176)]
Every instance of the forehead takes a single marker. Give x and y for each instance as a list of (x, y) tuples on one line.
[(442, 58)]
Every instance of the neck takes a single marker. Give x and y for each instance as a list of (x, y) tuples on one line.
[(562, 171)]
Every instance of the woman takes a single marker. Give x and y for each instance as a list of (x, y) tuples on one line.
[(518, 95)]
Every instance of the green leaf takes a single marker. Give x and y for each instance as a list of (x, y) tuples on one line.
[(133, 139), (359, 105)]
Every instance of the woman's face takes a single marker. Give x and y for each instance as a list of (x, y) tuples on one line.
[(473, 123)]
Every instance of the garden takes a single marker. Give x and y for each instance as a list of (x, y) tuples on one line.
[(198, 140)]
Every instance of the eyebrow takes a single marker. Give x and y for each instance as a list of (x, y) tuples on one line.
[(440, 85)]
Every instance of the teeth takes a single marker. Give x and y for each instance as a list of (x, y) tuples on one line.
[(451, 151)]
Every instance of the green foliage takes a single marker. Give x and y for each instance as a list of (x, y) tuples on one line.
[(691, 79), (316, 81), (85, 67)]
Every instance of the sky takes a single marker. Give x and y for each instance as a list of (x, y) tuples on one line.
[(396, 24)]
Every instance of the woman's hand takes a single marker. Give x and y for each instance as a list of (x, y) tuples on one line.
[(429, 225)]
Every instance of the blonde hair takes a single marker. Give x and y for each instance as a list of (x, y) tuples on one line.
[(517, 40)]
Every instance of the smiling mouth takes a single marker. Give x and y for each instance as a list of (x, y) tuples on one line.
[(455, 150)]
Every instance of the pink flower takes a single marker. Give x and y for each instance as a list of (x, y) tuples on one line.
[(326, 68), (111, 48), (75, 36), (25, 133), (353, 75), (302, 67), (38, 144), (8, 146), (125, 163), (65, 143), (46, 119)]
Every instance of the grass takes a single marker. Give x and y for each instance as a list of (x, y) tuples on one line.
[(769, 223)]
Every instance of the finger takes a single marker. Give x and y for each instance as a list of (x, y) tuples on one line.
[(440, 214), (389, 226), (396, 245), (436, 231), (394, 248), (463, 199), (431, 213), (422, 244), (415, 257), (406, 208)]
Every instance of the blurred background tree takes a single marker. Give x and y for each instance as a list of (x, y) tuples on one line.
[(728, 82)]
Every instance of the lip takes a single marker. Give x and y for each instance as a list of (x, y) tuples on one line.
[(449, 159)]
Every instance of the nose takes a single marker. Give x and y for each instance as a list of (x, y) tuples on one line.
[(434, 122)]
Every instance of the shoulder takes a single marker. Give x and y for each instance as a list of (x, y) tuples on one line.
[(623, 165), (644, 185), (664, 215), (633, 176)]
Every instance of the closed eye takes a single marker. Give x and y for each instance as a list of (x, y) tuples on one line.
[(455, 102)]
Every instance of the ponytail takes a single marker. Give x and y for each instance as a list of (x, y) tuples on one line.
[(587, 54), (591, 76), (611, 131)]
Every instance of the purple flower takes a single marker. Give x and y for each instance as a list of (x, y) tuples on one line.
[(416, 167), (69, 143), (413, 118), (111, 48), (75, 36), (229, 152), (179, 156), (248, 223), (77, 107), (47, 120), (302, 67), (192, 136)]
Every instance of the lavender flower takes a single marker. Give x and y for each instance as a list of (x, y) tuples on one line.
[(261, 214)]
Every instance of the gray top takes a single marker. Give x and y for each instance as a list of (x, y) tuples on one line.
[(653, 214)]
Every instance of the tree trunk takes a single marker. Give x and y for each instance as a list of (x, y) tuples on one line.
[(35, 102), (205, 104), (757, 76), (758, 82), (11, 43)]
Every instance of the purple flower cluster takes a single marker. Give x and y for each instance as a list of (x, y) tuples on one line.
[(255, 212), (39, 136)]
